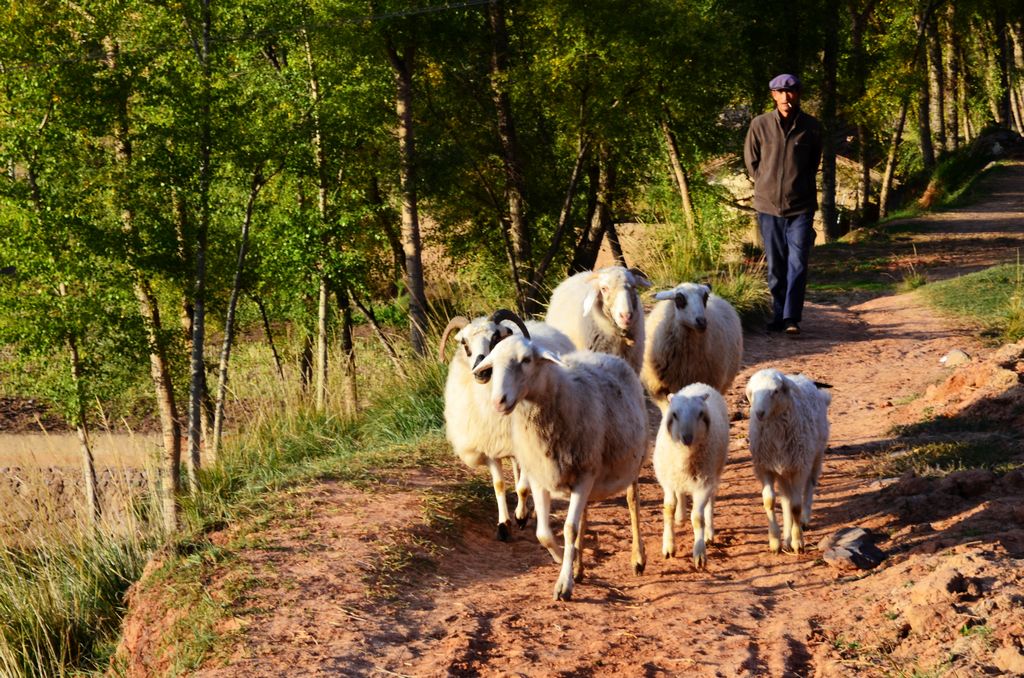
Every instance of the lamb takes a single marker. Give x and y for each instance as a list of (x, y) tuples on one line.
[(695, 336), (579, 429), (689, 457), (600, 311), (788, 436), (478, 435)]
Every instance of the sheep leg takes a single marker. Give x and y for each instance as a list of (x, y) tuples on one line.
[(697, 519), (709, 525), (768, 499), (796, 497), (638, 558), (498, 481), (578, 565), (668, 537), (791, 498), (573, 518), (542, 502), (811, 487), (522, 492), (680, 508)]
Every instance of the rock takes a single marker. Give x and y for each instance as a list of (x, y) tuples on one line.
[(1010, 660), (1013, 481), (910, 484), (954, 358), (944, 585), (851, 548), (969, 483), (923, 619)]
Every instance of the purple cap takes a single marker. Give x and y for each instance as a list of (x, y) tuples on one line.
[(784, 81)]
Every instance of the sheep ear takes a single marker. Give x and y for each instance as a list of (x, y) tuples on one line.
[(590, 300), (707, 293), (708, 285), (551, 357), (665, 295), (640, 278), (704, 397)]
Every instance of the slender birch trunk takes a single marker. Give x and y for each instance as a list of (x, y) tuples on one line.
[(681, 182), (348, 351), (890, 163), (261, 307), (563, 215), (402, 65), (197, 382), (229, 322)]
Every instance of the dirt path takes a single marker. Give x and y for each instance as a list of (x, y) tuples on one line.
[(486, 608)]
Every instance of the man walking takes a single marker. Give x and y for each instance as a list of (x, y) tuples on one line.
[(782, 152)]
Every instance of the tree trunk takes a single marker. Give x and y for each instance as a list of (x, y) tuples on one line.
[(829, 69), (321, 348), (681, 183), (529, 303), (306, 360), (612, 235), (953, 50), (389, 348), (320, 161), (937, 85), (402, 67), (587, 251), (348, 350), (890, 163), (198, 393), (563, 216), (384, 216), (229, 322), (92, 502), (270, 335), (1003, 57), (858, 23), (160, 371)]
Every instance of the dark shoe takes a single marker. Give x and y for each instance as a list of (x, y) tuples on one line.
[(792, 328), (775, 326)]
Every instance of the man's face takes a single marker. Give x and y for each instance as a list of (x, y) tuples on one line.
[(786, 100)]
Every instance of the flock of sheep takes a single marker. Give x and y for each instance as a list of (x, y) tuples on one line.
[(564, 400)]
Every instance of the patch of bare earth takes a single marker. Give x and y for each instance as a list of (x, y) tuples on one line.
[(948, 599)]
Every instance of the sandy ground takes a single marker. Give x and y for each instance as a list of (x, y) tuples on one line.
[(948, 600)]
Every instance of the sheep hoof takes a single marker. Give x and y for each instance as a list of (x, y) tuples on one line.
[(774, 546), (504, 531), (700, 561), (563, 591), (521, 522), (668, 554), (638, 568)]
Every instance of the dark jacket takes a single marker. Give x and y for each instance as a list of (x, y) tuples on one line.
[(782, 164)]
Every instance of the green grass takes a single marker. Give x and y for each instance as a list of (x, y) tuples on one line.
[(62, 599), (940, 458), (992, 299)]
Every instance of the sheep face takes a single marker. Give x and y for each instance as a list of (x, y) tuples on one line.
[(614, 294), (767, 393), (477, 340), (690, 302), (686, 418), (513, 366)]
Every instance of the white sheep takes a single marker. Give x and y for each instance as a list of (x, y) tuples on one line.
[(689, 457), (601, 311), (788, 436), (693, 336), (579, 428), (478, 435)]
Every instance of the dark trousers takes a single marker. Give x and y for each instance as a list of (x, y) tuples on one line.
[(787, 244)]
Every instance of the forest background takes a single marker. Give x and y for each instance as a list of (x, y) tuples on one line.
[(177, 173)]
